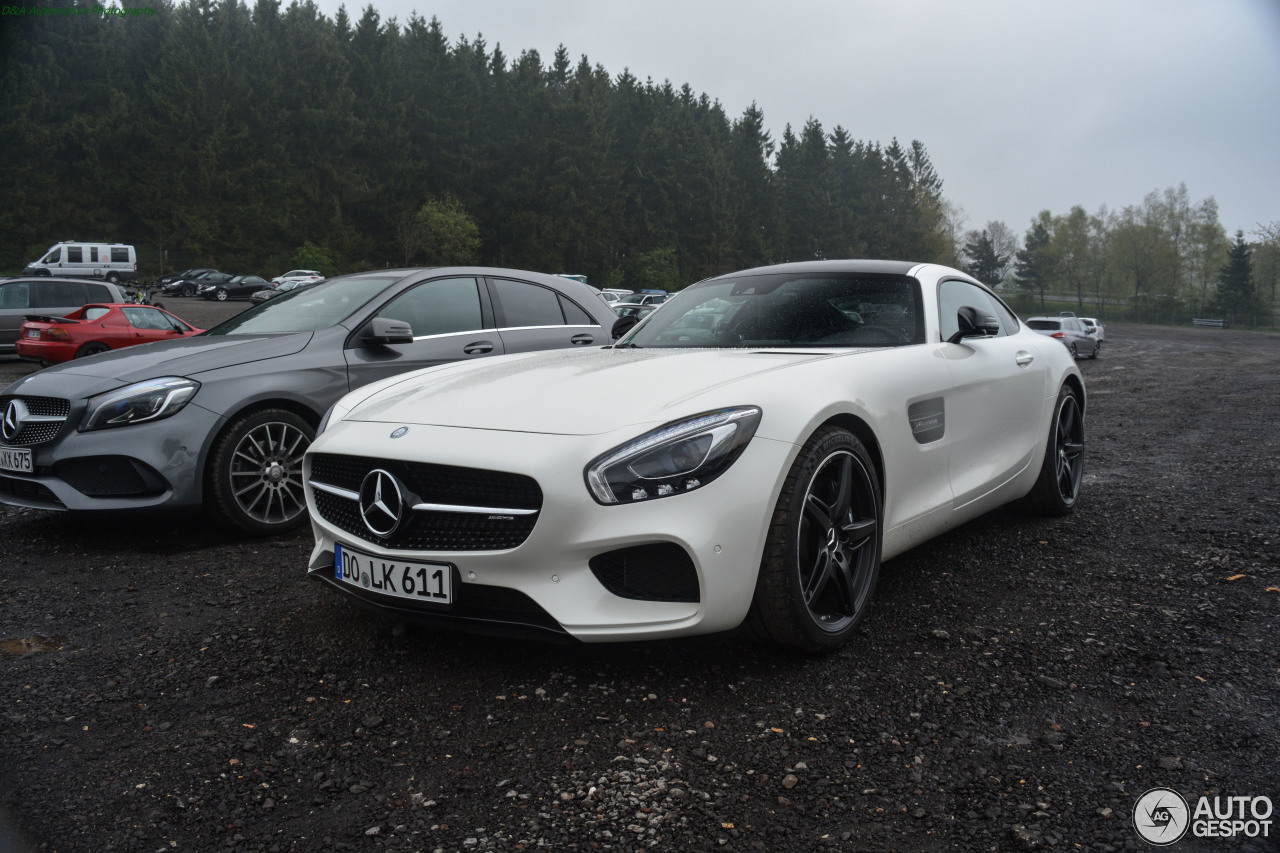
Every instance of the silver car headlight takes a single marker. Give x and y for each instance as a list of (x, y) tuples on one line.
[(674, 458), (139, 403)]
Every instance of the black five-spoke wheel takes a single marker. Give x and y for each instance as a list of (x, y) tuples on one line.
[(1058, 485), (822, 557)]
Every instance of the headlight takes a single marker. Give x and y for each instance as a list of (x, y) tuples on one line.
[(674, 458), (139, 403)]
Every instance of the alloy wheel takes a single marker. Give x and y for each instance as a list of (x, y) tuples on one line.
[(1069, 449), (266, 473), (836, 544)]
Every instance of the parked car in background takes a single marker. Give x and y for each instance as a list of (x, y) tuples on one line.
[(1093, 327), (190, 285), (221, 420), (113, 262), (298, 275), (236, 287), (644, 297), (1069, 331), (759, 483), (282, 287), (97, 328), (47, 295), (163, 282)]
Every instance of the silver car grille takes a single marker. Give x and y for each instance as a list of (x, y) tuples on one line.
[(35, 421)]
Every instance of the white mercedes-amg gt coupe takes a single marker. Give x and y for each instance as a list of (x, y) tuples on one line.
[(745, 456)]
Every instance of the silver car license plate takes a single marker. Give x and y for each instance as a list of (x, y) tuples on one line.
[(426, 583), (15, 459)]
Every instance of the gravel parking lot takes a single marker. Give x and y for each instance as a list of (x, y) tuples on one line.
[(1018, 685)]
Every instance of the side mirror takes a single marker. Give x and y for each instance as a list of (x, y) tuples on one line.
[(974, 324), (623, 325), (384, 330)]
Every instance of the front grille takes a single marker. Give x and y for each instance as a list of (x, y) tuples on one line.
[(425, 482), (27, 490), (660, 572), (108, 476), (37, 432)]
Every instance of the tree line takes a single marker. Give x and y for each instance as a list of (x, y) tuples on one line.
[(1166, 259), (255, 137)]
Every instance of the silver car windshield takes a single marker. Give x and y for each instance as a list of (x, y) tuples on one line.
[(307, 310), (788, 311)]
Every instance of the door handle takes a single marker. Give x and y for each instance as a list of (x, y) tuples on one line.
[(581, 340), (1024, 358), (478, 348)]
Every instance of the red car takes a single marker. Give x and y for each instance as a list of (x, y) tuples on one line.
[(97, 328)]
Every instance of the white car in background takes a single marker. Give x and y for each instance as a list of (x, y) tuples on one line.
[(305, 276), (1093, 327), (834, 415)]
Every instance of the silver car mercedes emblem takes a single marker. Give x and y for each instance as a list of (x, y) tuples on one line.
[(380, 502), (14, 415), (399, 431)]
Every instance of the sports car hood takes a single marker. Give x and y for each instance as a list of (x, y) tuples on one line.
[(570, 392), (180, 357)]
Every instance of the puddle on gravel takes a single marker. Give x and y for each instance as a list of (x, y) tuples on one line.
[(27, 645)]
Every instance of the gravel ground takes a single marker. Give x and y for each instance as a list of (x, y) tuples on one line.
[(1018, 685)]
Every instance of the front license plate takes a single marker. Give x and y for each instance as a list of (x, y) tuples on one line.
[(426, 583), (15, 459)]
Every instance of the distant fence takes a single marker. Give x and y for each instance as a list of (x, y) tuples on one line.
[(1217, 324)]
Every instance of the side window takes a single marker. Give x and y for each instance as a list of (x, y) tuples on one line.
[(53, 257), (573, 315), (525, 304), (149, 318), (953, 295), (75, 255), (440, 307), (119, 256), (92, 314), (99, 293), (16, 295), (59, 294)]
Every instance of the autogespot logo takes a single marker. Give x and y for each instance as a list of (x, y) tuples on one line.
[(1160, 816)]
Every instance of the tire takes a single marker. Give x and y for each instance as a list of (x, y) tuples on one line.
[(822, 555), (1074, 353), (188, 290), (114, 278), (92, 348), (156, 304), (255, 472), (1097, 349), (1058, 487), (221, 295)]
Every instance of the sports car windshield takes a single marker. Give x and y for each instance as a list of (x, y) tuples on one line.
[(789, 311), (308, 310)]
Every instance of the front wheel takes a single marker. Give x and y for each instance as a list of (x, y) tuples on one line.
[(255, 472), (188, 290), (221, 295), (822, 554), (1058, 486)]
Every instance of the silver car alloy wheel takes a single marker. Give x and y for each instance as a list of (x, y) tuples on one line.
[(266, 473)]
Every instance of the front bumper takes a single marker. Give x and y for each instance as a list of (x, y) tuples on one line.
[(547, 580), (152, 466)]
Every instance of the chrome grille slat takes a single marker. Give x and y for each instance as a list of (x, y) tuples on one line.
[(47, 417)]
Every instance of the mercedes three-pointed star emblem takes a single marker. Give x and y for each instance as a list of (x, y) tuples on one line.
[(381, 504), (14, 415)]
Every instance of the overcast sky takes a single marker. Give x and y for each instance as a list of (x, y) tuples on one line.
[(1023, 105)]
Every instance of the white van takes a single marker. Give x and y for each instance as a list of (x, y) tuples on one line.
[(114, 262)]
